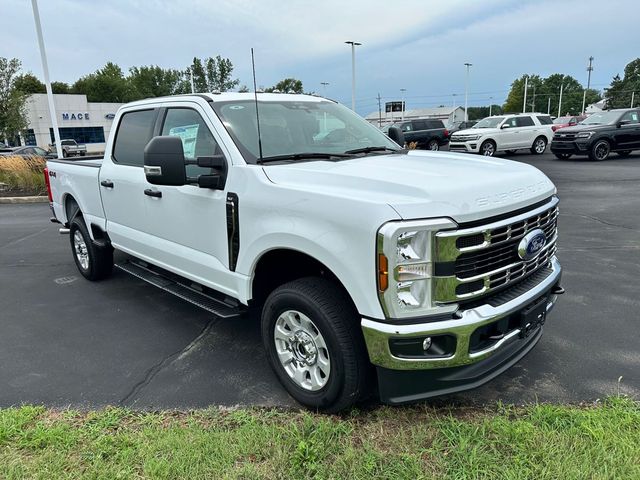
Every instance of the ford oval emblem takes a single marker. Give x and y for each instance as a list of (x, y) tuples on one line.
[(532, 244)]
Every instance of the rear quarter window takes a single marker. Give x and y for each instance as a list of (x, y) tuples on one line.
[(545, 120), (134, 132), (435, 124)]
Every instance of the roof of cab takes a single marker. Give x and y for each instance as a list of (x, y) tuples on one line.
[(234, 96)]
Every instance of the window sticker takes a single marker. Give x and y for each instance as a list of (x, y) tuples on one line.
[(188, 134)]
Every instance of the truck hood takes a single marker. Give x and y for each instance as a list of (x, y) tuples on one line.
[(422, 184), (586, 128), (478, 131)]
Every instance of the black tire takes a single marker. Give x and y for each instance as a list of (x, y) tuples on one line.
[(510, 152), (433, 145), (336, 321), (488, 148), (64, 153), (600, 150), (563, 156), (624, 153), (99, 260), (82, 154), (539, 146)]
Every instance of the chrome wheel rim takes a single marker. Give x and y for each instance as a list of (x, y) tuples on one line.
[(302, 350), (602, 150), (80, 248), (540, 146), (433, 146), (488, 150)]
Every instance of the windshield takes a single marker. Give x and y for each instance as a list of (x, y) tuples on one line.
[(601, 118), (489, 122), (561, 120), (294, 127)]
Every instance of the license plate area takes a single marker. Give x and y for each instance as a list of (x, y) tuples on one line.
[(533, 317)]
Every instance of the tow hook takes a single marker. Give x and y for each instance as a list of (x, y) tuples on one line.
[(557, 290)]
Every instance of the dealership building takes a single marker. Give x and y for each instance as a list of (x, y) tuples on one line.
[(88, 123)]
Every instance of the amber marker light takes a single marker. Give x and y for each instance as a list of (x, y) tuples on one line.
[(383, 272)]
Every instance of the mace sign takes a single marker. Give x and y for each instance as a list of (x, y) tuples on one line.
[(75, 116)]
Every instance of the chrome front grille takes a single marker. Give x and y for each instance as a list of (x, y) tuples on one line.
[(473, 262)]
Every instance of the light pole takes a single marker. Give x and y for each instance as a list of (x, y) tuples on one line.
[(324, 88), (584, 96), (47, 82), (524, 102), (453, 100), (402, 104), (466, 91), (490, 105), (353, 73)]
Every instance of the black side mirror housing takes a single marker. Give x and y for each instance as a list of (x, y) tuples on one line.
[(217, 180), (622, 122), (164, 161), (396, 135)]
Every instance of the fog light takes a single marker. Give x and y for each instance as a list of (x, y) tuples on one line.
[(426, 344)]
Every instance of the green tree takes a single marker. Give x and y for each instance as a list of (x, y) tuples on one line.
[(478, 113), (621, 90), (29, 84), (13, 118), (60, 87), (219, 72), (107, 84), (154, 81), (515, 99), (287, 85)]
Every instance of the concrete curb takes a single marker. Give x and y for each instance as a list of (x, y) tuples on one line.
[(24, 200)]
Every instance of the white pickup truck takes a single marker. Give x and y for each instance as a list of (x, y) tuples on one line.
[(408, 274)]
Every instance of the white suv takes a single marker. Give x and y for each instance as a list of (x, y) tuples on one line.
[(505, 133)]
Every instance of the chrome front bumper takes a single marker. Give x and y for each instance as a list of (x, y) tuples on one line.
[(377, 334)]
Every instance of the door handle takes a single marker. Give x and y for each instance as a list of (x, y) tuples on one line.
[(107, 183), (153, 193)]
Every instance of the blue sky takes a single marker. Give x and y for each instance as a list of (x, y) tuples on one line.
[(417, 45)]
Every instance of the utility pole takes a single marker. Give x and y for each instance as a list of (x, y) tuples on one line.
[(584, 96), (633, 95), (490, 105), (533, 104), (549, 106), (324, 88), (380, 111), (193, 88), (402, 104), (524, 103), (47, 82), (560, 101), (466, 91), (453, 100), (353, 73)]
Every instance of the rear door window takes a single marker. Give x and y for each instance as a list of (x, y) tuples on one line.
[(419, 125), (134, 132), (524, 122), (631, 117), (435, 124)]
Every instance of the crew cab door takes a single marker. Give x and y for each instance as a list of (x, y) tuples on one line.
[(122, 181), (188, 224), (508, 137)]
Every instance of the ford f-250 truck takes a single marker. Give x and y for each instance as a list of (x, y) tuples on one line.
[(374, 269)]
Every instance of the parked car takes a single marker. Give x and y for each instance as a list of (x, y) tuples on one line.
[(507, 133), (372, 266), (29, 151), (428, 134), (70, 148), (567, 121), (457, 126), (5, 148), (600, 134)]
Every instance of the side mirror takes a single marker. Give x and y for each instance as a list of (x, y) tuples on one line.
[(623, 122), (396, 135), (505, 125), (164, 161), (217, 180)]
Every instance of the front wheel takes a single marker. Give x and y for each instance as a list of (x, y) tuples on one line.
[(488, 148), (600, 151), (433, 145), (539, 146), (314, 344), (94, 262)]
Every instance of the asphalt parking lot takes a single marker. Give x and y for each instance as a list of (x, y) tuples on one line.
[(67, 342)]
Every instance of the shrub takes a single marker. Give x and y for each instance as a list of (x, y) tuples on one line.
[(23, 174)]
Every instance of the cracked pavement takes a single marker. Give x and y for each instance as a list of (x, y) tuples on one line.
[(65, 341)]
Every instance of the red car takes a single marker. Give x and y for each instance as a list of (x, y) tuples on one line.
[(568, 121)]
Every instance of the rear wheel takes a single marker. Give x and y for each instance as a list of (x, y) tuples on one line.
[(433, 145), (539, 146), (94, 262), (563, 156), (488, 148), (312, 336), (624, 153), (600, 150)]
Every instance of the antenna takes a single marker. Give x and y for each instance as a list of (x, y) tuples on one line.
[(255, 96)]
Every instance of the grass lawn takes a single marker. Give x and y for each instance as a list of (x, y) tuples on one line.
[(534, 442)]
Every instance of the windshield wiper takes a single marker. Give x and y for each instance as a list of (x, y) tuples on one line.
[(373, 149), (300, 156)]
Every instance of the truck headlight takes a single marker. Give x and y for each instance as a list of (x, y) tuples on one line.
[(585, 134), (405, 268)]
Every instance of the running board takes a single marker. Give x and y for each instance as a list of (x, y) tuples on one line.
[(224, 307)]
